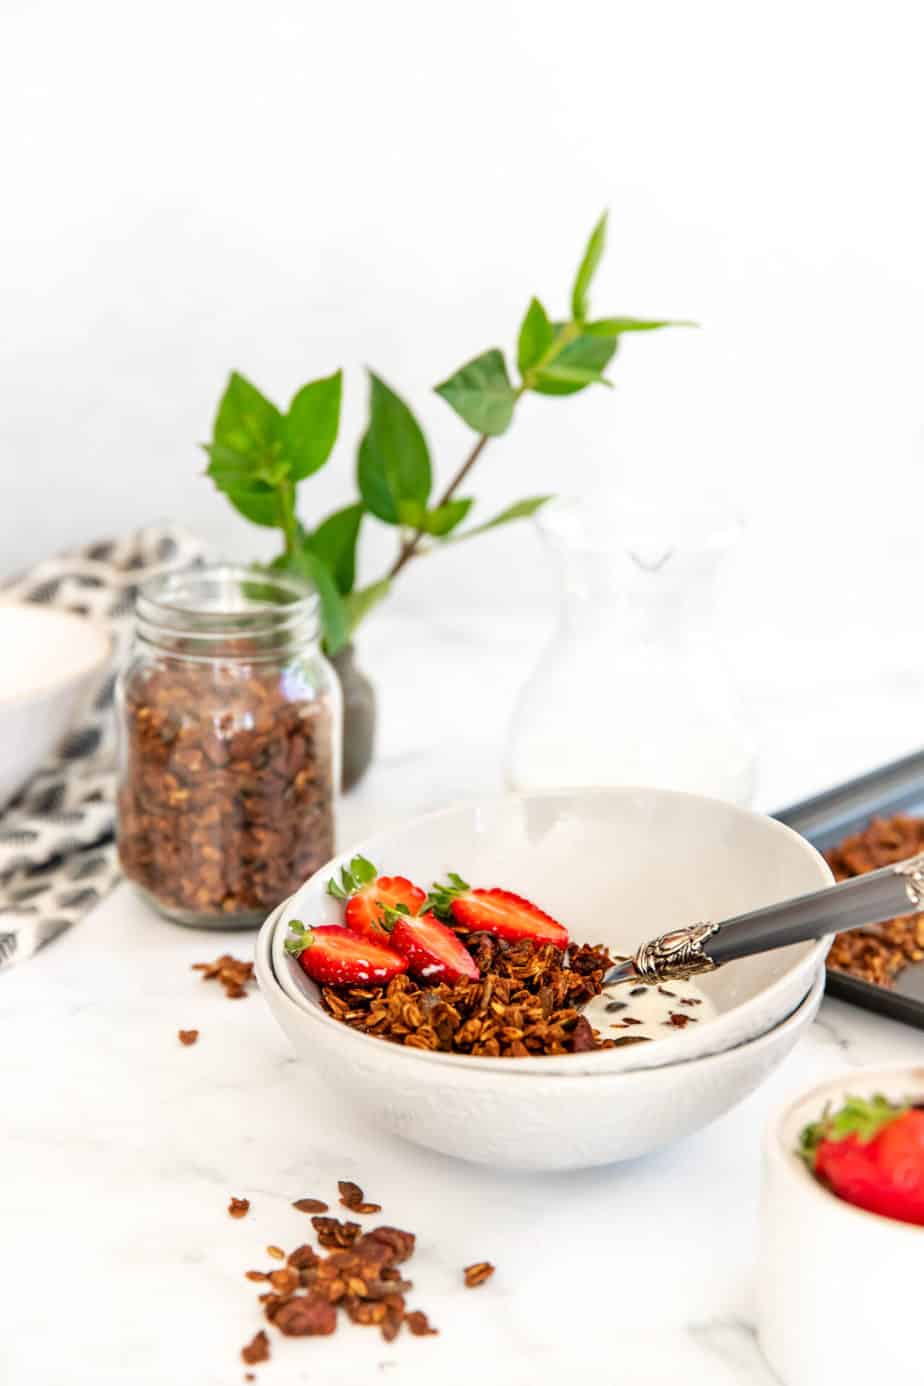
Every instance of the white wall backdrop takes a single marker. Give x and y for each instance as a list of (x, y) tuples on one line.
[(292, 186)]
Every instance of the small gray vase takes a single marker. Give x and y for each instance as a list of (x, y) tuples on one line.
[(359, 717)]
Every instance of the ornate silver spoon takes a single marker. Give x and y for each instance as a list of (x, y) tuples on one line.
[(855, 904)]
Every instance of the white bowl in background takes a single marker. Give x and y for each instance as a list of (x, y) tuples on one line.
[(48, 661), (617, 866), (511, 1119), (839, 1289)]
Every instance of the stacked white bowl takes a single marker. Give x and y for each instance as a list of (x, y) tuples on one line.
[(617, 866)]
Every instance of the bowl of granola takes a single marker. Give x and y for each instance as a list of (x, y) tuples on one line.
[(513, 1119), (510, 967)]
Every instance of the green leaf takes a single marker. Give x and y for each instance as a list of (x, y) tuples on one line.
[(334, 541), (571, 375), (615, 327), (394, 461), (412, 514), (312, 569), (481, 393), (584, 353), (310, 427), (359, 604), (443, 519), (299, 938), (440, 897), (363, 871), (520, 511), (234, 475), (536, 335), (587, 270), (247, 422)]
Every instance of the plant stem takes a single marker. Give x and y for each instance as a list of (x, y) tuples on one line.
[(287, 522), (410, 546)]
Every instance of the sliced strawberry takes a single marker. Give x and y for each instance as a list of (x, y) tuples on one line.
[(434, 953), (871, 1154), (368, 895), (495, 911), (338, 957)]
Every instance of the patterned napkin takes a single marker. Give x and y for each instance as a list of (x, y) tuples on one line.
[(57, 856)]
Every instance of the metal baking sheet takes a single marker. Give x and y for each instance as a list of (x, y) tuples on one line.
[(825, 820)]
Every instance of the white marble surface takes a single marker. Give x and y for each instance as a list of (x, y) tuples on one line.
[(120, 1148)]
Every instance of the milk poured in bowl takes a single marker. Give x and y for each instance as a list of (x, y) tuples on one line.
[(624, 1013)]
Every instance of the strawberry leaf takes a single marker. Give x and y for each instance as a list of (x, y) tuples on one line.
[(859, 1116), (363, 871), (439, 901), (299, 938), (359, 873)]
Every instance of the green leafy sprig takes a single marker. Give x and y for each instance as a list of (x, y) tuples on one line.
[(259, 455)]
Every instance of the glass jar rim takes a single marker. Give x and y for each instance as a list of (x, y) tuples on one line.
[(212, 603)]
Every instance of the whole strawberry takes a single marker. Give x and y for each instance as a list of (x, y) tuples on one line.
[(871, 1154)]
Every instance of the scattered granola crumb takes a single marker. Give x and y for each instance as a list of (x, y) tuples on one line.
[(305, 1316), (257, 1350), (256, 1275), (284, 1281), (188, 1037), (679, 1021), (478, 1273), (239, 1207), (351, 1196), (276, 1252), (232, 973), (332, 1233), (311, 1205), (419, 1324)]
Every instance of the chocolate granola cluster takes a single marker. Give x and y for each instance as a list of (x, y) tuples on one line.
[(527, 1001)]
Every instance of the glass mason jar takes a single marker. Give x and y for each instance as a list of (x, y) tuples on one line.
[(633, 689), (229, 721)]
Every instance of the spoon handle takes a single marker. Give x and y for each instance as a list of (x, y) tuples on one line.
[(854, 904)]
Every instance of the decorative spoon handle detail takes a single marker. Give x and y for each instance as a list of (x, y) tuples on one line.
[(852, 904)]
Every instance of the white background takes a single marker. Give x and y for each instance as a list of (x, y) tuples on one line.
[(291, 187)]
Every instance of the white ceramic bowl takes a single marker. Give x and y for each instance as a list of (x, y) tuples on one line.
[(513, 1120), (48, 662), (618, 866), (839, 1289)]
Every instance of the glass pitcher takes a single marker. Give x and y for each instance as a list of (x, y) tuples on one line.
[(632, 688)]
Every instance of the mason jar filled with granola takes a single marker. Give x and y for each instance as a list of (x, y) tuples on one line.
[(229, 745)]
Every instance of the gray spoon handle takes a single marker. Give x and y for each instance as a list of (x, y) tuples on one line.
[(854, 904), (865, 900)]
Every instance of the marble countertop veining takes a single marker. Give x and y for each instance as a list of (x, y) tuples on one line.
[(120, 1148)]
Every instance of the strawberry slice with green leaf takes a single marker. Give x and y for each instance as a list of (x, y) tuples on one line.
[(434, 953), (871, 1154), (495, 911), (368, 895), (336, 956)]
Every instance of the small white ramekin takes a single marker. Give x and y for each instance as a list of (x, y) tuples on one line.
[(839, 1289)]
